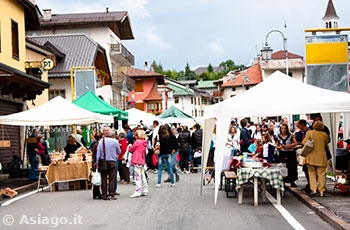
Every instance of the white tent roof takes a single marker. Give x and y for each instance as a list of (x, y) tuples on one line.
[(135, 115), (281, 94), (57, 111), (277, 94)]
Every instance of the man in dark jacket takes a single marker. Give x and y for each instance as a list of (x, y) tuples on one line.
[(33, 160), (184, 140), (197, 135), (244, 136), (196, 141)]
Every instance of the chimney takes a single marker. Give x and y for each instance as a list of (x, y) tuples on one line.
[(47, 15), (146, 66), (107, 10)]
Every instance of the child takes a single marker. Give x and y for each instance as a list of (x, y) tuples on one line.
[(268, 148), (138, 160), (259, 149)]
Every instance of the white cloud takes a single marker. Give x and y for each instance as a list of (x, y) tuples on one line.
[(156, 40), (216, 47), (137, 8)]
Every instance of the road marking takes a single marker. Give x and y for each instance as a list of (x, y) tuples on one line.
[(286, 215), (18, 198)]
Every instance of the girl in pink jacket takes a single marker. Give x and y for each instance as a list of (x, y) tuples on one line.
[(138, 160)]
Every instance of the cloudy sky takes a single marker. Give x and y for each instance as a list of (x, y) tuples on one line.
[(199, 32)]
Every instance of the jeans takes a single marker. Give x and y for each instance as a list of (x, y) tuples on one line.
[(174, 162), (167, 160), (33, 160)]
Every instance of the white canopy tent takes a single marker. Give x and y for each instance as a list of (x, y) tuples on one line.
[(135, 115), (57, 111), (277, 94)]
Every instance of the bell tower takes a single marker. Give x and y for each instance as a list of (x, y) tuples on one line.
[(331, 18)]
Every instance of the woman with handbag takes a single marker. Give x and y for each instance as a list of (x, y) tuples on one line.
[(286, 143), (316, 160)]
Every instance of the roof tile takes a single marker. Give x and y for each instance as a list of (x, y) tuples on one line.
[(254, 74)]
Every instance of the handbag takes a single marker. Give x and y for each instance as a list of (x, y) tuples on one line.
[(97, 178), (157, 146), (102, 164), (308, 147), (300, 160)]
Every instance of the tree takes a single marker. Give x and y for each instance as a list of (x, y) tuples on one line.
[(158, 68), (210, 68), (172, 74), (189, 74), (228, 65)]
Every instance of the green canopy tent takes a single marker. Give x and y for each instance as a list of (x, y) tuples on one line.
[(93, 103), (175, 115)]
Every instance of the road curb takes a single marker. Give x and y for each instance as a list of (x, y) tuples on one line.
[(21, 189), (326, 214)]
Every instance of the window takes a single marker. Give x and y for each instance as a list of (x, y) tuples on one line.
[(192, 100), (233, 88), (199, 101), (15, 42), (57, 92), (140, 106), (138, 86)]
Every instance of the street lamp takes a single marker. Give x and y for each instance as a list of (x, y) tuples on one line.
[(124, 93), (266, 51)]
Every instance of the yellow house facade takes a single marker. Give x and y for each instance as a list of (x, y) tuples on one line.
[(11, 20), (16, 85), (36, 54)]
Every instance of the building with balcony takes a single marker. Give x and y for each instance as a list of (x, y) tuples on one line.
[(108, 29), (145, 96)]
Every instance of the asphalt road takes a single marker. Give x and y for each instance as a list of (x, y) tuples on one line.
[(179, 207)]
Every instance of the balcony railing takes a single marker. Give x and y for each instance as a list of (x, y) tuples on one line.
[(218, 94), (124, 52), (120, 77)]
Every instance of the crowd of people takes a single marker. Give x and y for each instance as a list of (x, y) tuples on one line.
[(179, 148), (268, 142), (132, 153)]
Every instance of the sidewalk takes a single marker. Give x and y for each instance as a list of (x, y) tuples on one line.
[(19, 185), (334, 208)]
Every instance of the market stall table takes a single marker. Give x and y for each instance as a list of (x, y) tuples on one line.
[(272, 174), (65, 172)]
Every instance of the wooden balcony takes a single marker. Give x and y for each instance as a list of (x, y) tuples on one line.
[(218, 94), (122, 54)]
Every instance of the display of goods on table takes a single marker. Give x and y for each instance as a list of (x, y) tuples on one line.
[(81, 154)]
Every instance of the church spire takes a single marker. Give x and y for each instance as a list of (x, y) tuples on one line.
[(331, 18)]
